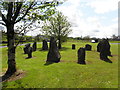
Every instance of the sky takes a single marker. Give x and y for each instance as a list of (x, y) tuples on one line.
[(94, 18)]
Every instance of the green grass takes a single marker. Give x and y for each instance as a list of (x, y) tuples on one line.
[(67, 73)]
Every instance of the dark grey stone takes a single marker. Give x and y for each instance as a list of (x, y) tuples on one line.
[(81, 56), (26, 48), (99, 46), (73, 46), (96, 40), (44, 45), (34, 46), (30, 49), (104, 49), (88, 47), (53, 54)]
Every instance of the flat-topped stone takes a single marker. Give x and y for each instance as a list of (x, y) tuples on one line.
[(81, 56)]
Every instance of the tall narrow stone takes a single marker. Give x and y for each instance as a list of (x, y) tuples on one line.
[(30, 49), (99, 46), (53, 54), (34, 46), (44, 45), (26, 48), (81, 56)]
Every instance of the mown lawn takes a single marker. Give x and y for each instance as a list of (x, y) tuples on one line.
[(67, 73)]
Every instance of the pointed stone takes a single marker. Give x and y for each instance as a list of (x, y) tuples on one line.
[(53, 54)]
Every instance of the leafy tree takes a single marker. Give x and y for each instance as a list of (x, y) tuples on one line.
[(57, 26), (14, 12), (86, 37)]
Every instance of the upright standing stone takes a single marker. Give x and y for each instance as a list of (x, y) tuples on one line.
[(73, 46), (96, 40), (99, 46), (53, 54), (34, 46), (26, 48), (45, 45), (30, 49), (104, 49), (81, 56), (88, 47)]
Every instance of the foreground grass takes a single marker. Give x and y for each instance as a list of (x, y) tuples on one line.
[(67, 73)]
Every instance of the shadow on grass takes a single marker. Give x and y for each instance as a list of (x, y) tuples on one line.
[(4, 77), (107, 60), (64, 49), (28, 57), (40, 49), (48, 63), (12, 77)]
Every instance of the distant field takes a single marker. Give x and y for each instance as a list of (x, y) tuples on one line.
[(68, 41), (65, 74)]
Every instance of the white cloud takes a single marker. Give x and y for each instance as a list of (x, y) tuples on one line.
[(115, 19), (103, 6), (92, 25)]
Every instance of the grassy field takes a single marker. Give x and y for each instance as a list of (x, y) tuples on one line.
[(65, 74)]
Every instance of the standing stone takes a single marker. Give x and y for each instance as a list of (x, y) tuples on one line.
[(73, 46), (81, 56), (30, 49), (45, 45), (34, 46), (26, 48), (99, 46), (96, 40), (104, 49), (53, 54), (88, 47)]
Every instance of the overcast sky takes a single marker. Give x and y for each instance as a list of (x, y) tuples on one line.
[(96, 18)]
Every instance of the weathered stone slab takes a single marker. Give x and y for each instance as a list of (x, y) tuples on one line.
[(88, 47), (81, 56), (30, 49), (26, 48), (53, 54), (34, 46), (104, 49), (73, 46), (44, 45)]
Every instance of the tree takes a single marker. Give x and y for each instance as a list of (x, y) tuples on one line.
[(14, 12), (57, 26), (86, 37), (114, 37)]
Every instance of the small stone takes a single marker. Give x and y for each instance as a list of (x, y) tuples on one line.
[(73, 46), (88, 47)]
